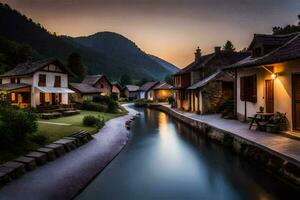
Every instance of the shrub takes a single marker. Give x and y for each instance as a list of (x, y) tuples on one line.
[(91, 120), (171, 100), (39, 139), (114, 96), (16, 125), (142, 102), (88, 105)]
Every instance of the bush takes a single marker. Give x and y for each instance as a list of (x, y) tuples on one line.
[(39, 139), (89, 105), (16, 125), (171, 100), (142, 102), (91, 120), (114, 96)]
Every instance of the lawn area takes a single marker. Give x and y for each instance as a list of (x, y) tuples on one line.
[(54, 132)]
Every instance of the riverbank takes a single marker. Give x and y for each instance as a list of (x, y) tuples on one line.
[(68, 175), (279, 154)]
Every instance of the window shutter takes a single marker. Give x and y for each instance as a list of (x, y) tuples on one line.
[(254, 89), (242, 88)]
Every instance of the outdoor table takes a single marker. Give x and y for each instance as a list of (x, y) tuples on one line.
[(261, 119)]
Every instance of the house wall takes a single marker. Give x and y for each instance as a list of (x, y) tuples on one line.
[(104, 86), (282, 89), (162, 95)]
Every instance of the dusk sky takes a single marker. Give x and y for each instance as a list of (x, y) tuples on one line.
[(170, 29)]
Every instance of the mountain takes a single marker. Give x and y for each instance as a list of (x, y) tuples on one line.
[(125, 51), (168, 66), (107, 53)]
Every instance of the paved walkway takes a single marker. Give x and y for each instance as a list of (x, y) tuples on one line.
[(281, 145), (54, 123), (66, 176)]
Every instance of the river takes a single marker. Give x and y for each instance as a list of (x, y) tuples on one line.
[(165, 159)]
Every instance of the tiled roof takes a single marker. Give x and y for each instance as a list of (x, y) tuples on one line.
[(13, 86), (28, 68), (194, 64), (147, 86), (218, 75), (288, 51), (92, 79), (132, 88), (84, 88), (163, 86)]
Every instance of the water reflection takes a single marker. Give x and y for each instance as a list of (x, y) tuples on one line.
[(166, 159)]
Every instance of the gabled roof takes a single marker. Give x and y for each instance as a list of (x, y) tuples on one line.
[(13, 86), (148, 86), (132, 88), (218, 75), (84, 88), (29, 68), (115, 83), (194, 64), (223, 57), (163, 86), (288, 51), (270, 40), (92, 79)]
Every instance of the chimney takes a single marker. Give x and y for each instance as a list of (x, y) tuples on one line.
[(217, 50), (197, 54)]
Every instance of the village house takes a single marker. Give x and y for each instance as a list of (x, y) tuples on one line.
[(146, 92), (162, 92), (116, 89), (37, 83), (202, 86), (83, 92), (99, 81), (269, 79), (131, 92)]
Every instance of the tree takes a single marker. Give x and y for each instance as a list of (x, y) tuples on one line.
[(125, 80), (77, 67), (228, 46), (169, 79), (291, 28)]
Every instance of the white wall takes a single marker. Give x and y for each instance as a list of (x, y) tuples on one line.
[(282, 88)]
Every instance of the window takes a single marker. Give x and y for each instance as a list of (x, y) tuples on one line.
[(42, 80), (101, 85), (248, 88), (18, 80), (57, 82), (0, 81), (13, 97), (12, 80)]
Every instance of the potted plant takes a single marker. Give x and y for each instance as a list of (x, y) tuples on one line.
[(277, 123), (261, 109)]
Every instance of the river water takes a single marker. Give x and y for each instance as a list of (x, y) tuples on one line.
[(166, 159)]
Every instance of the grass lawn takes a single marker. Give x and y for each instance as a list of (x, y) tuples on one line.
[(55, 132)]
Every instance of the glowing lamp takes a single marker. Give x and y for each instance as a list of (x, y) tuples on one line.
[(274, 75)]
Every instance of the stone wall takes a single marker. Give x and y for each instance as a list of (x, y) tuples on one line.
[(272, 161)]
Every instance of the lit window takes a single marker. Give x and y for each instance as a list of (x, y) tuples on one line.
[(47, 97), (13, 96)]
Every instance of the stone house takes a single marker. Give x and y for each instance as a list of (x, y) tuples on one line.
[(162, 92), (269, 78), (83, 92), (116, 89), (146, 92), (99, 81), (31, 84), (131, 92), (202, 86)]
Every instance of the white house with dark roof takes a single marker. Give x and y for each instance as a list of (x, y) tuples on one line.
[(145, 91), (270, 78), (37, 83)]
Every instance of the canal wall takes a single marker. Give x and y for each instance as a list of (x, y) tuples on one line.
[(276, 163)]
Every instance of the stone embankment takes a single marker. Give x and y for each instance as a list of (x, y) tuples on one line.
[(18, 167), (279, 164)]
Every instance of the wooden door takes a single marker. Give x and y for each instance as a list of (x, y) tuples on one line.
[(269, 96), (296, 101)]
